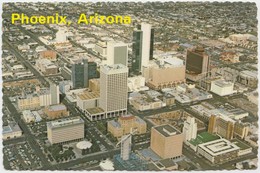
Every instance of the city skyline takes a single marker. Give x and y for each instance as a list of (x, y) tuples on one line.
[(176, 88)]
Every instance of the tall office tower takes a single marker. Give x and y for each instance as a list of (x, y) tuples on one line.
[(143, 39), (126, 147), (79, 74), (137, 51), (113, 89), (92, 70), (146, 44), (197, 63), (117, 53), (55, 94), (166, 141), (190, 129)]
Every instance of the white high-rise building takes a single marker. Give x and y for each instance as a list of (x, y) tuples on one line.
[(190, 129), (61, 35), (126, 142), (117, 53), (113, 89), (55, 94), (146, 43)]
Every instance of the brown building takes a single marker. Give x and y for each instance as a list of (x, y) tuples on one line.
[(166, 141), (222, 126), (48, 54), (56, 111), (124, 125), (197, 63), (227, 127)]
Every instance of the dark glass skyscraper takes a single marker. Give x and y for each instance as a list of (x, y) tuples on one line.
[(79, 74), (137, 51), (141, 40)]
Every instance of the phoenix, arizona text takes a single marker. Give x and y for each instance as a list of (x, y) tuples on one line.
[(59, 19)]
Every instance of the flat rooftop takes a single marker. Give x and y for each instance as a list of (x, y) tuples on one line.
[(58, 107), (11, 128), (116, 68), (167, 130), (203, 138), (65, 122), (96, 110), (219, 147), (223, 83), (240, 144), (88, 95)]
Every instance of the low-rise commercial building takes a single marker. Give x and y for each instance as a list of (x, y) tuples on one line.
[(222, 87), (48, 54), (29, 101), (125, 124), (46, 66), (87, 100), (11, 131), (56, 111), (218, 151)]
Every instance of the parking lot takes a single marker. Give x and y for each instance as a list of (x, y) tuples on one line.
[(20, 157)]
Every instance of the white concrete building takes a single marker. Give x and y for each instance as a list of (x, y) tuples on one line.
[(55, 94), (218, 151), (117, 53), (222, 87), (113, 89), (61, 36), (146, 28), (190, 129), (136, 83)]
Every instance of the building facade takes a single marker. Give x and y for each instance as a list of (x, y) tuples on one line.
[(113, 89), (190, 129), (79, 74), (56, 111), (117, 53), (125, 124), (166, 141), (65, 130), (197, 63)]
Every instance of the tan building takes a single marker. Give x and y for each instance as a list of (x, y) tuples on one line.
[(46, 66), (124, 125), (64, 130), (222, 126), (157, 75), (94, 85), (56, 111), (166, 141), (48, 54), (31, 101), (227, 127)]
